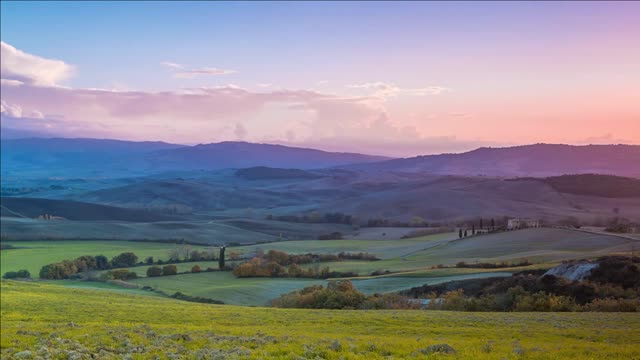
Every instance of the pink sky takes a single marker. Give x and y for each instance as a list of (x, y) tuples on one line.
[(538, 78)]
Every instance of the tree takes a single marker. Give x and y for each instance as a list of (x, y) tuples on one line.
[(196, 255), (221, 258), (102, 263), (120, 274), (465, 233), (196, 269), (125, 259), (169, 270), (149, 260), (460, 233), (153, 271), (473, 229), (20, 274)]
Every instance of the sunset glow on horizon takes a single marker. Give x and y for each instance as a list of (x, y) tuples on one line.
[(397, 79)]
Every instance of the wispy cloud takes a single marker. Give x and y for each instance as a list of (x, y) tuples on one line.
[(182, 72), (384, 90)]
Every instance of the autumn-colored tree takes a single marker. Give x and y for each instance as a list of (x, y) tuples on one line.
[(169, 270), (153, 271)]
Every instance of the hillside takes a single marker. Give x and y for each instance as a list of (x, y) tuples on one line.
[(74, 210), (267, 173), (63, 157), (148, 327), (539, 160), (596, 185), (232, 154)]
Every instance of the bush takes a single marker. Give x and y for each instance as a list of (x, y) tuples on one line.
[(154, 271), (196, 269), (20, 274), (169, 270), (60, 270), (123, 260), (120, 274)]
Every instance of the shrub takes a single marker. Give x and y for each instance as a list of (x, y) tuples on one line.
[(154, 271), (125, 259), (169, 270), (120, 274), (196, 269), (20, 274)]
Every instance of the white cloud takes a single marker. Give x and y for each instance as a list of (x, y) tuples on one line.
[(14, 111), (384, 90), (171, 65), (19, 66), (182, 72)]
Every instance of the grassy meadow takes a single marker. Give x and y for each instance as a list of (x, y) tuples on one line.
[(410, 261), (59, 322)]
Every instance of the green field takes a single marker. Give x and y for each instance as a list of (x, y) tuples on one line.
[(32, 255), (57, 322), (259, 291), (409, 260)]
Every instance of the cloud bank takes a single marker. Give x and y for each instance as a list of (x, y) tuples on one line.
[(33, 100)]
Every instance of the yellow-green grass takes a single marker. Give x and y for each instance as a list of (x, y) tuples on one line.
[(32, 255), (73, 323), (225, 287)]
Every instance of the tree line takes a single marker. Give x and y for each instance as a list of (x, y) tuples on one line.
[(280, 264), (612, 286), (341, 294), (66, 268)]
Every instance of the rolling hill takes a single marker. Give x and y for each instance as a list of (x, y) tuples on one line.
[(61, 157), (538, 160), (74, 210)]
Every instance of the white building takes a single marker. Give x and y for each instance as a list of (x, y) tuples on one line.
[(521, 223)]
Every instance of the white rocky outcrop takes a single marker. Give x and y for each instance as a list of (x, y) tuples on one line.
[(577, 270)]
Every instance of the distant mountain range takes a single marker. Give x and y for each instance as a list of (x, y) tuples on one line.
[(62, 157), (539, 160)]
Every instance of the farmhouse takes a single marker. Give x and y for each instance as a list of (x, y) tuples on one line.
[(521, 223)]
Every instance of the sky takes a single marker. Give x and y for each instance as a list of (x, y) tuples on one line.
[(386, 78)]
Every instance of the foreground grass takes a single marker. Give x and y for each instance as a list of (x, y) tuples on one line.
[(57, 322)]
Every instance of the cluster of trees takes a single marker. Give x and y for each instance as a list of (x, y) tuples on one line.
[(185, 253), (315, 217), (620, 225), (613, 286), (341, 294), (64, 269), (20, 274), (180, 296), (153, 271), (119, 274), (504, 264), (259, 267), (280, 264), (336, 235), (282, 258)]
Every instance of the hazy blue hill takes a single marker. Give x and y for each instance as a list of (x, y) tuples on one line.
[(539, 160), (75, 210), (61, 157), (231, 154)]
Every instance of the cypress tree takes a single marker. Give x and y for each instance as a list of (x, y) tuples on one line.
[(221, 259)]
